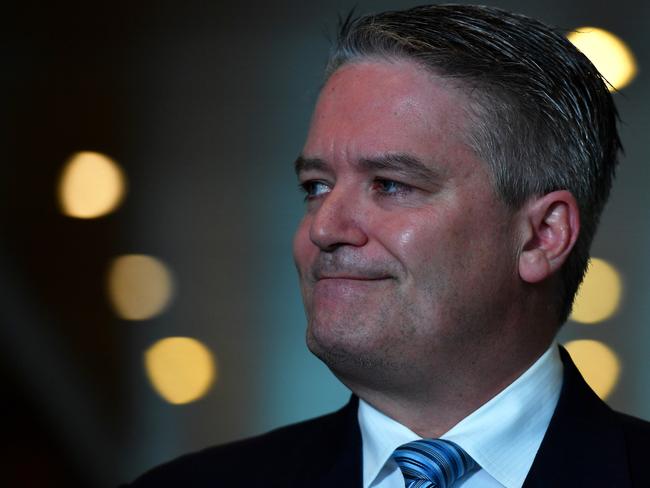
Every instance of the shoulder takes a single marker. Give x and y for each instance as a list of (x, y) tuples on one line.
[(637, 444), (589, 444), (580, 405), (255, 460), (637, 431)]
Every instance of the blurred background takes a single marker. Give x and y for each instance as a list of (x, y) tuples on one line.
[(148, 303)]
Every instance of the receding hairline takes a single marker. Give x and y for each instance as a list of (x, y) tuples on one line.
[(471, 93)]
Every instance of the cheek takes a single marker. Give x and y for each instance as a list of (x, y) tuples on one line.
[(406, 237), (411, 241), (434, 248)]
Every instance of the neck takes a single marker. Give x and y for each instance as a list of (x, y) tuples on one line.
[(432, 408)]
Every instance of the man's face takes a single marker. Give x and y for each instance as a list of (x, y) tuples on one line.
[(405, 254)]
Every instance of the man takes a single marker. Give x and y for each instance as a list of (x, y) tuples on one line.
[(455, 169)]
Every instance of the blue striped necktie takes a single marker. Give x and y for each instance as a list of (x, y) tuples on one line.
[(432, 463)]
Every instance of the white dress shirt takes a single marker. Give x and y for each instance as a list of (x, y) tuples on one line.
[(502, 436)]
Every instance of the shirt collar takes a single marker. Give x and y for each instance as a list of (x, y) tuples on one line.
[(502, 436)]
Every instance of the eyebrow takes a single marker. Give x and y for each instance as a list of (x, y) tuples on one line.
[(401, 163), (306, 164)]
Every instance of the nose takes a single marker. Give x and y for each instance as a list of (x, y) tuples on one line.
[(338, 221)]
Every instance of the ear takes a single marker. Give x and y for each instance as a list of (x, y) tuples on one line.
[(551, 224)]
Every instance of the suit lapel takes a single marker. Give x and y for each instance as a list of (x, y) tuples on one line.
[(337, 462), (584, 445)]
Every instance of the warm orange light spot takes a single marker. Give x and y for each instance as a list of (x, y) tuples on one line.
[(609, 54), (599, 295), (180, 369), (91, 185), (139, 286)]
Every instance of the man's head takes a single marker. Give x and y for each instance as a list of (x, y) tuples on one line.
[(544, 119), (440, 171)]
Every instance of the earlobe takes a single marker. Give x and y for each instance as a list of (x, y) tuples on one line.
[(533, 266), (552, 223)]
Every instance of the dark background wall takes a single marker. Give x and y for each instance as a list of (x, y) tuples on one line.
[(205, 105)]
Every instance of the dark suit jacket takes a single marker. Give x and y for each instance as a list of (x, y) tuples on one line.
[(586, 445)]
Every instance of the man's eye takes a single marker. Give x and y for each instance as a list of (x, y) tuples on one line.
[(390, 187), (314, 189)]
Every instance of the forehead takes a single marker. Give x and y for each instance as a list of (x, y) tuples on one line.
[(386, 106)]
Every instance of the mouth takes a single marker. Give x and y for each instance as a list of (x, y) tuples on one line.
[(346, 282), (332, 291), (351, 278)]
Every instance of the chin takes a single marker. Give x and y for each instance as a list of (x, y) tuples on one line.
[(353, 358), (332, 346)]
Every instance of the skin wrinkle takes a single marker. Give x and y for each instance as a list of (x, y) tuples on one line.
[(404, 163)]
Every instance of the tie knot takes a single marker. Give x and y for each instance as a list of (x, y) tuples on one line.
[(435, 463)]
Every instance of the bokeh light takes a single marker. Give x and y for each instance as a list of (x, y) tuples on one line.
[(139, 286), (611, 56), (597, 363), (91, 185), (599, 295), (181, 369)]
